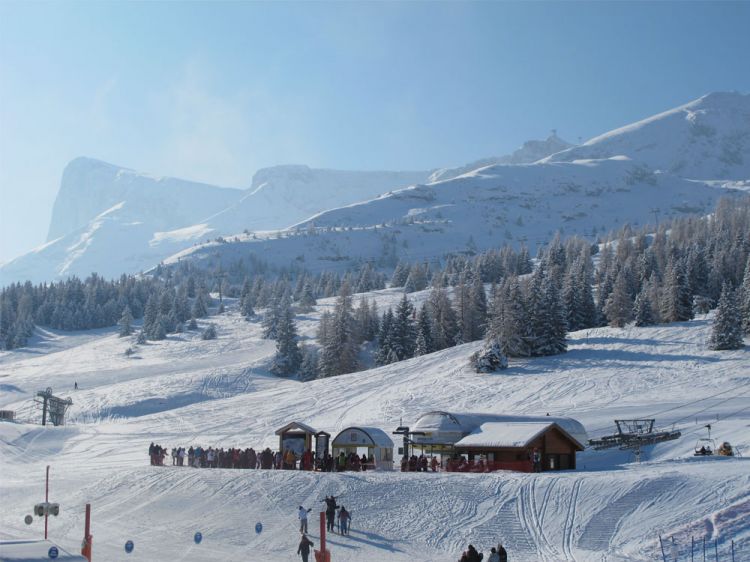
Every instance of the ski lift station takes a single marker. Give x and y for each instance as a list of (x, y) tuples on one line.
[(499, 442), (375, 440)]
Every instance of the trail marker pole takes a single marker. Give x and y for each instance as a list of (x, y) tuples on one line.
[(716, 550), (322, 555), (732, 550), (661, 544), (704, 549), (46, 499), (87, 538), (692, 547)]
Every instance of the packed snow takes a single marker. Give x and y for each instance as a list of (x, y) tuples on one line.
[(186, 391)]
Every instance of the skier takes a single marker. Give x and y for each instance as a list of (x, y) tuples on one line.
[(331, 508), (494, 556), (434, 464), (502, 556), (303, 519), (344, 518), (304, 547), (75, 385)]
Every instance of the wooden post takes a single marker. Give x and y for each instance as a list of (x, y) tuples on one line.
[(87, 538), (692, 547), (46, 499), (716, 550)]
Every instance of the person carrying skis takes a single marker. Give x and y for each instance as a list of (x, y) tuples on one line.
[(344, 518), (303, 519), (304, 547)]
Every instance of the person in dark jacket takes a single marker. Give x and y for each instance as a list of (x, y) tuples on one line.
[(502, 554), (304, 547), (472, 555), (331, 508)]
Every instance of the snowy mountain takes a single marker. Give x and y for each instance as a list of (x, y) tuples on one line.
[(708, 138), (529, 152), (90, 187), (184, 391), (482, 209), (113, 220)]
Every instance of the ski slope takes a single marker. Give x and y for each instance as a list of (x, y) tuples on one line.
[(185, 391)]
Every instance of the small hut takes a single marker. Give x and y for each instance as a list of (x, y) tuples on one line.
[(296, 436), (376, 441)]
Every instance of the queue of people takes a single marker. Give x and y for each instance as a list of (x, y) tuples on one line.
[(497, 554)]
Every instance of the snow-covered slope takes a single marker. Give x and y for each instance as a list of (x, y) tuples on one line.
[(285, 195), (185, 391), (483, 209), (708, 138), (529, 152), (112, 220)]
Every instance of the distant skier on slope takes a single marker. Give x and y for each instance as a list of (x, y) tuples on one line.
[(304, 547)]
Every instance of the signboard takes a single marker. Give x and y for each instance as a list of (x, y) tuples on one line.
[(295, 442), (321, 444)]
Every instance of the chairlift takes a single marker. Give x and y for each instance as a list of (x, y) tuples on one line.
[(705, 446)]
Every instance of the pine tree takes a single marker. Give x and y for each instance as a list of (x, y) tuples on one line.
[(417, 279), (398, 279), (308, 369), (726, 332), (307, 298), (745, 299), (151, 317), (385, 338), (444, 322), (199, 310), (676, 301), (404, 335), (271, 319), (619, 306), (209, 333), (126, 322), (490, 358), (339, 353), (546, 316), (642, 309), (288, 357), (424, 343)]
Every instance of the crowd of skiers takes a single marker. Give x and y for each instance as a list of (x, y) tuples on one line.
[(218, 457), (497, 554), (419, 463)]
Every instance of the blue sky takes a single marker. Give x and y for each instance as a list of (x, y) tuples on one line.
[(214, 91)]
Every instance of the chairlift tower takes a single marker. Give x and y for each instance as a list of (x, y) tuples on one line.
[(633, 435), (52, 405)]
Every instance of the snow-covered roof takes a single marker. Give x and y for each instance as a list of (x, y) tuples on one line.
[(440, 426), (362, 436), (507, 434), (291, 426)]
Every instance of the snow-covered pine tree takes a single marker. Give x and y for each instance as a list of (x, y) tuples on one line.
[(339, 353), (209, 333), (726, 332), (308, 369), (417, 279), (151, 317), (676, 300), (490, 358), (400, 273), (642, 309), (479, 308), (385, 338), (546, 315), (126, 322), (271, 318), (619, 306), (745, 299), (403, 331), (288, 357), (424, 343), (307, 297), (200, 309), (444, 322)]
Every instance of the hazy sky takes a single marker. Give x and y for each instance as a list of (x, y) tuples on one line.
[(214, 91)]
